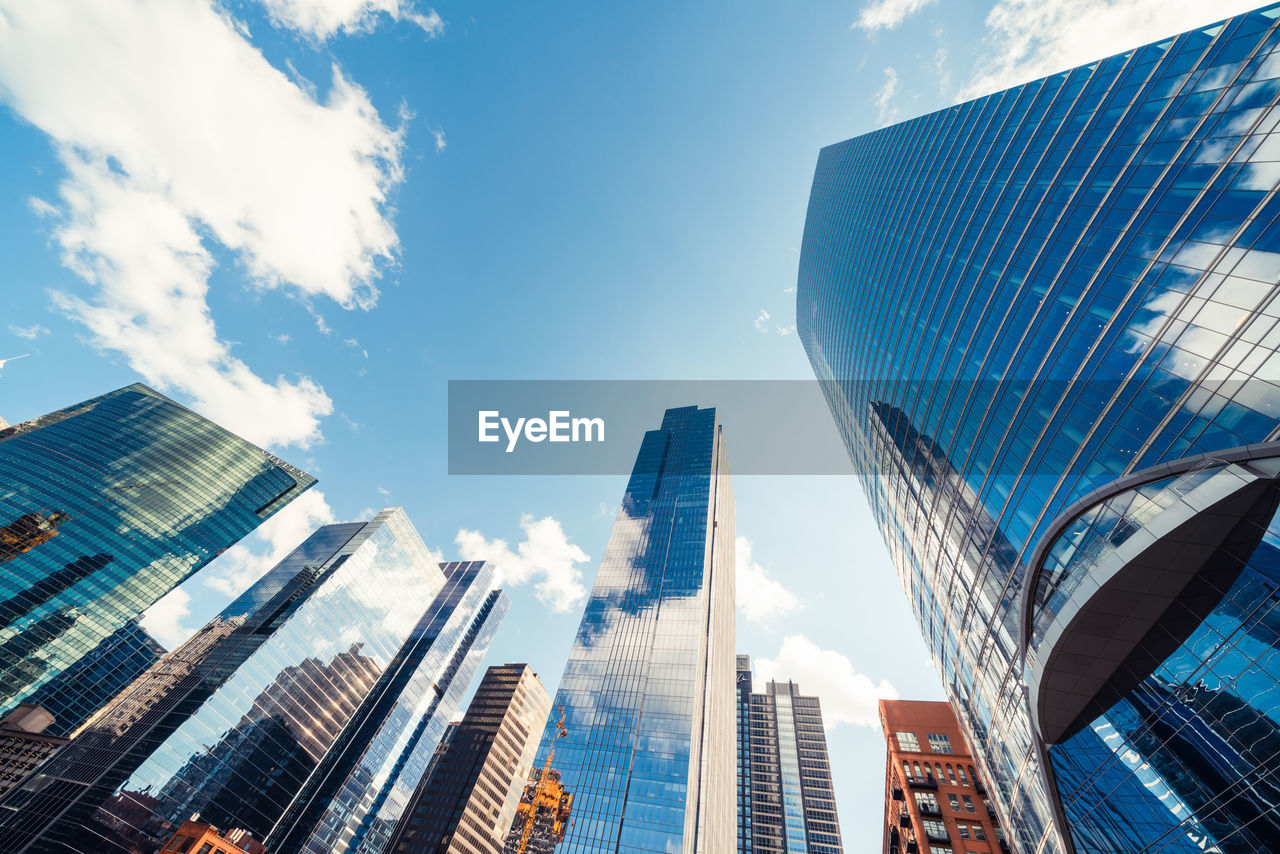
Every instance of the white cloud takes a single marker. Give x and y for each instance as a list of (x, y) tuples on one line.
[(163, 620), (383, 491), (174, 130), (886, 14), (886, 113), (786, 330), (247, 561), (545, 553), (790, 290), (41, 208), (441, 145), (848, 697), (283, 338), (762, 322), (30, 333), (760, 597), (325, 18), (1029, 39)]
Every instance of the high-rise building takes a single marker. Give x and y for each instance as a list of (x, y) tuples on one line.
[(1045, 324), (647, 693), (105, 507), (933, 796), (357, 627), (24, 744), (467, 801), (744, 754), (793, 806)]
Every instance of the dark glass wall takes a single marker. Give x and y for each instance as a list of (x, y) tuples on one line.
[(1015, 303), (105, 507)]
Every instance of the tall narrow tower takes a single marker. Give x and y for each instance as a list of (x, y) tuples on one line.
[(647, 692)]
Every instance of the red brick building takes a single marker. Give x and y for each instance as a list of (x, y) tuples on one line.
[(934, 800), (197, 838)]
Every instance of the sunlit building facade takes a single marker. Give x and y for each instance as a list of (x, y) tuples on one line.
[(353, 644), (647, 692), (1045, 325), (105, 507)]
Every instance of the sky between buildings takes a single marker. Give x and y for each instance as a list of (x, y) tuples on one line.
[(303, 217)]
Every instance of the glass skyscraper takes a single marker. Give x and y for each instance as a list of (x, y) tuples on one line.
[(105, 507), (329, 681), (647, 692), (1046, 325), (744, 753)]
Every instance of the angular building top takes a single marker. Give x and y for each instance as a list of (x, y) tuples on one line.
[(647, 693), (105, 507), (1045, 323)]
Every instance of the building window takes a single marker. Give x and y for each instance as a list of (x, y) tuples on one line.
[(951, 775), (979, 834), (968, 804), (935, 830), (963, 829), (940, 743), (928, 803), (907, 741), (955, 802), (938, 849), (963, 780)]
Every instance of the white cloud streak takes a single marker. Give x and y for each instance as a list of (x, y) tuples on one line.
[(886, 113), (1028, 39), (887, 14), (848, 697), (761, 598), (30, 333), (164, 620), (247, 561), (323, 19), (176, 134), (545, 554)]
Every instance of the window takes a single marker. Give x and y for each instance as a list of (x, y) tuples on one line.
[(963, 780), (940, 742), (955, 802), (935, 830), (927, 802), (963, 829), (979, 834), (907, 741), (951, 775), (938, 849), (968, 804)]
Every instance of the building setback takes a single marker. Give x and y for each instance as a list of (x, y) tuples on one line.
[(232, 723), (1046, 327), (647, 693), (467, 801), (793, 808), (933, 797), (105, 507)]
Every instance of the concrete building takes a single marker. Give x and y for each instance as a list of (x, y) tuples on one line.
[(467, 801)]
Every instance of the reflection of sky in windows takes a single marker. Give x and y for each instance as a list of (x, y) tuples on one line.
[(1092, 256), (632, 690), (152, 491)]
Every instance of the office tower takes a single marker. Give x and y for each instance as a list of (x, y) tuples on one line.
[(793, 807), (647, 693), (1044, 324), (744, 754), (467, 801), (24, 745), (105, 507), (357, 623), (108, 669), (933, 796)]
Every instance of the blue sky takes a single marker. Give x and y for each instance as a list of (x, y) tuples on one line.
[(303, 217)]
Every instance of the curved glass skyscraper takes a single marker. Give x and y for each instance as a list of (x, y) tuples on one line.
[(1046, 323)]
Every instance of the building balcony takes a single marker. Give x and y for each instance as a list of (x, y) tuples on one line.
[(898, 794), (904, 820), (912, 847), (930, 812), (927, 783), (979, 788), (938, 837)]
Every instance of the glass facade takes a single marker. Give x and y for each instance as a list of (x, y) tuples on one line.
[(647, 692), (744, 754), (1045, 326), (233, 723), (793, 805), (105, 507)]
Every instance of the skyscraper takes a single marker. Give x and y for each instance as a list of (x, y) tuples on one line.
[(357, 624), (1044, 324), (933, 796), (793, 807), (105, 507), (467, 801), (647, 693), (744, 754)]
